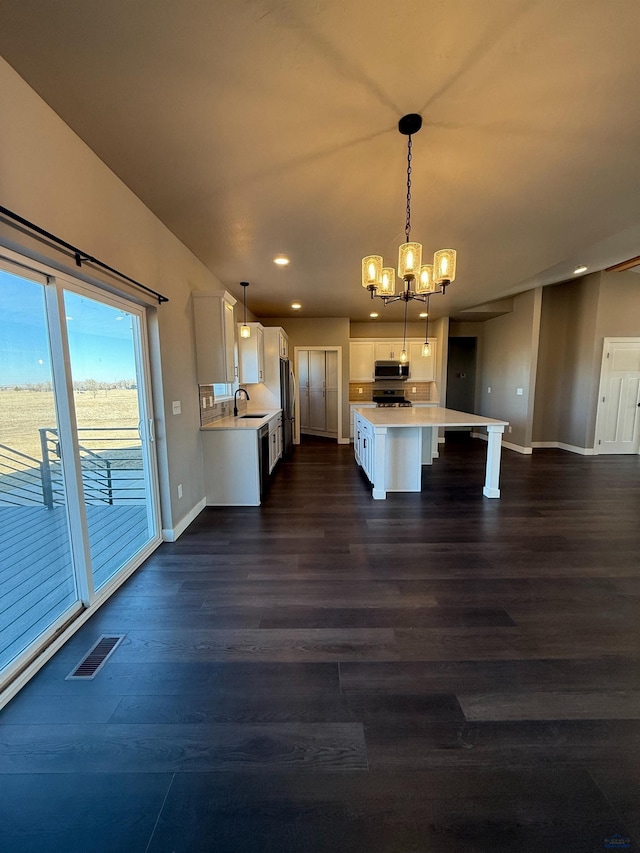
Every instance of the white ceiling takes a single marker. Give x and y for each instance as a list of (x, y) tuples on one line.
[(252, 127)]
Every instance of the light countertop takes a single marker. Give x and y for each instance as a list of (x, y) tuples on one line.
[(424, 416), (242, 423)]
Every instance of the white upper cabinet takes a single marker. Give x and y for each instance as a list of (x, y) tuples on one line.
[(361, 358), (422, 368), (215, 336), (283, 343), (251, 355), (388, 350)]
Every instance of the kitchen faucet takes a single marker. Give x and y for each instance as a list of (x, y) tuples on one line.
[(235, 400)]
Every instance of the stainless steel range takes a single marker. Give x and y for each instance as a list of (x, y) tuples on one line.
[(389, 399)]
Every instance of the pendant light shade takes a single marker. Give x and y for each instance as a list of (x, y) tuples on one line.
[(372, 271), (425, 282), (409, 260), (444, 266), (388, 281)]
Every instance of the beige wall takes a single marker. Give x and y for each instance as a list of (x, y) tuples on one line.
[(321, 332), (576, 317), (509, 361), (49, 176), (389, 331)]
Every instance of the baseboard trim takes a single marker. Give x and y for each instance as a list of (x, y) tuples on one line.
[(518, 448), (560, 445), (170, 534)]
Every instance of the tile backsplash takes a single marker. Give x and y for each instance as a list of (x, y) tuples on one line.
[(211, 411), (422, 393)]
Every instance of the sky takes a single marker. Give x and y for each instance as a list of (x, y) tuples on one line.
[(100, 336)]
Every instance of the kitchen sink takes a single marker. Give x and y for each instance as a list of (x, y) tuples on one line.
[(252, 416)]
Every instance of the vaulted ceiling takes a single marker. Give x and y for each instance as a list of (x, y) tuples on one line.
[(253, 127)]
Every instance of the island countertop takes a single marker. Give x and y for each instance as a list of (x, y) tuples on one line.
[(423, 416)]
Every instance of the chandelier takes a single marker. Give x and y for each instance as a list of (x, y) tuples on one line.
[(420, 280)]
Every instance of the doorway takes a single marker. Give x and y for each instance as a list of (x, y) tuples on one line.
[(618, 416), (461, 375), (319, 391)]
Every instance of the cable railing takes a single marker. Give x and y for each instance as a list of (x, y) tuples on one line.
[(111, 464)]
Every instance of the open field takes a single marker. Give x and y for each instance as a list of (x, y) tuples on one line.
[(22, 413)]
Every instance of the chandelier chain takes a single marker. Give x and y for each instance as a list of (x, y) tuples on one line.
[(407, 227)]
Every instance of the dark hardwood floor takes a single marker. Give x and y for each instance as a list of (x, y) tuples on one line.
[(432, 673)]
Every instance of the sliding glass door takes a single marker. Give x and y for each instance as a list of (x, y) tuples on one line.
[(78, 493), (112, 428), (37, 578)]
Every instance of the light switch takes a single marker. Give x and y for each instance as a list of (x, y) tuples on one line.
[(519, 391), (489, 389), (177, 408)]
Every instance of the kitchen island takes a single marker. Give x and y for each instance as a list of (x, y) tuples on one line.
[(392, 445)]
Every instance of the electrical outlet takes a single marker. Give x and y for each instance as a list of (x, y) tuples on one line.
[(414, 389), (179, 490), (210, 400), (519, 391), (204, 402), (359, 390), (177, 408)]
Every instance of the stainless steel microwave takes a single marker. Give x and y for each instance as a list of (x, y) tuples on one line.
[(391, 370)]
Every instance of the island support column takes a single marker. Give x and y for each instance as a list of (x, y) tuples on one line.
[(494, 448)]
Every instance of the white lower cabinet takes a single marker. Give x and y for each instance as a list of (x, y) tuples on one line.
[(363, 443), (275, 441), (352, 412), (233, 462)]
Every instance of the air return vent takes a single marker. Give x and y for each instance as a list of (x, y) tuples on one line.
[(96, 657)]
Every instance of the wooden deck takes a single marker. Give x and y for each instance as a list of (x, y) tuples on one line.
[(36, 577)]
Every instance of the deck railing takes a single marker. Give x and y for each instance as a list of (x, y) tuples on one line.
[(110, 459)]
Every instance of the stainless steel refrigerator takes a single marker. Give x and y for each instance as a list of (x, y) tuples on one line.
[(287, 402)]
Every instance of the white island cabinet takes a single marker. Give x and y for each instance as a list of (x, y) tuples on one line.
[(392, 445), (235, 457)]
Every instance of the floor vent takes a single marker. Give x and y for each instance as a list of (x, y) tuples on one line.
[(96, 657)]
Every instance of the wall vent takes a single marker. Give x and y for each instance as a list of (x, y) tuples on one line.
[(96, 657)]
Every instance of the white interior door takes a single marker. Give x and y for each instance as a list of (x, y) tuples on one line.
[(618, 429)]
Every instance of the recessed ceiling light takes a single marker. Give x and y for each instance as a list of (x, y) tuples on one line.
[(281, 260), (579, 269), (374, 314), (423, 314), (296, 306)]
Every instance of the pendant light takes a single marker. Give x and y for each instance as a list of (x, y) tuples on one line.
[(426, 346), (403, 354), (245, 331), (420, 280)]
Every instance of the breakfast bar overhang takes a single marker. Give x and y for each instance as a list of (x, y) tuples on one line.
[(392, 445)]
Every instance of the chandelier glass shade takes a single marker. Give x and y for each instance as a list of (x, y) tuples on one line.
[(420, 280)]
